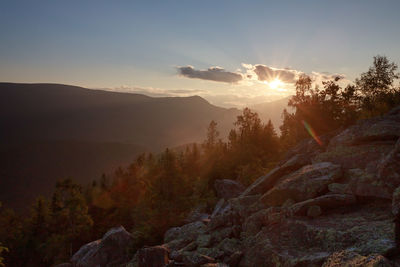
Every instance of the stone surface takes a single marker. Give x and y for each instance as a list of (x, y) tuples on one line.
[(306, 183), (396, 201), (111, 250), (266, 182), (196, 259), (353, 259), (187, 231), (153, 256), (228, 189), (385, 128), (389, 167), (324, 202), (299, 241), (314, 211)]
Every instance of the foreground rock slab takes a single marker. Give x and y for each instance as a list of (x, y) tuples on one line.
[(111, 250)]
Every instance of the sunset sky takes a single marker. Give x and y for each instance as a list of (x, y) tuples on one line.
[(180, 48)]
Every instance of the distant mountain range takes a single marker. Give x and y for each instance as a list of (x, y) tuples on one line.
[(52, 131)]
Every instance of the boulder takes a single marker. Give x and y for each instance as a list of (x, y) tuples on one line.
[(323, 203), (197, 214), (266, 182), (385, 128), (389, 167), (186, 232), (228, 189), (204, 240), (314, 211), (396, 202), (365, 156), (353, 259), (213, 252), (220, 208), (195, 259), (153, 256), (300, 241), (256, 221), (306, 183), (234, 259), (111, 250), (246, 205), (229, 246), (365, 184)]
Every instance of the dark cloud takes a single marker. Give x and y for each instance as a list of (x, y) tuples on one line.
[(216, 74), (265, 73)]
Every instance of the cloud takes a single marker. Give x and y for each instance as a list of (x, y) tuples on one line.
[(266, 73), (216, 74)]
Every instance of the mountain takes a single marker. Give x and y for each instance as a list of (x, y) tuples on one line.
[(53, 131), (59, 112), (272, 111)]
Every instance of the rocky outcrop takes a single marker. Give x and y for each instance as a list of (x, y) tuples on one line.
[(353, 259), (153, 256), (329, 205), (111, 250), (306, 183)]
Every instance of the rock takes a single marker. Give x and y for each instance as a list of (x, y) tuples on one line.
[(314, 211), (299, 241), (323, 203), (246, 205), (187, 232), (256, 221), (266, 182), (196, 259), (211, 252), (197, 214), (389, 168), (353, 259), (111, 250), (222, 233), (153, 256), (234, 259), (306, 183), (64, 265), (339, 188), (229, 246), (203, 240), (350, 157), (177, 244), (386, 128), (228, 189), (396, 202), (219, 264), (220, 208), (190, 247), (227, 219), (364, 184)]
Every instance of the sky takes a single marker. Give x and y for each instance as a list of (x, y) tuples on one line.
[(233, 53)]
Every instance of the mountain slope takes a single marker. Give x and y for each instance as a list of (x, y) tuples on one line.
[(57, 112), (53, 131)]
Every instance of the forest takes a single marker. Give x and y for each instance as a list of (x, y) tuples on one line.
[(158, 191)]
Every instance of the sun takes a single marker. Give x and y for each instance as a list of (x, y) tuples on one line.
[(275, 84)]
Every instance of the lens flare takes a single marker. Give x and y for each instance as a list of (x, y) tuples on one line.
[(311, 132)]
